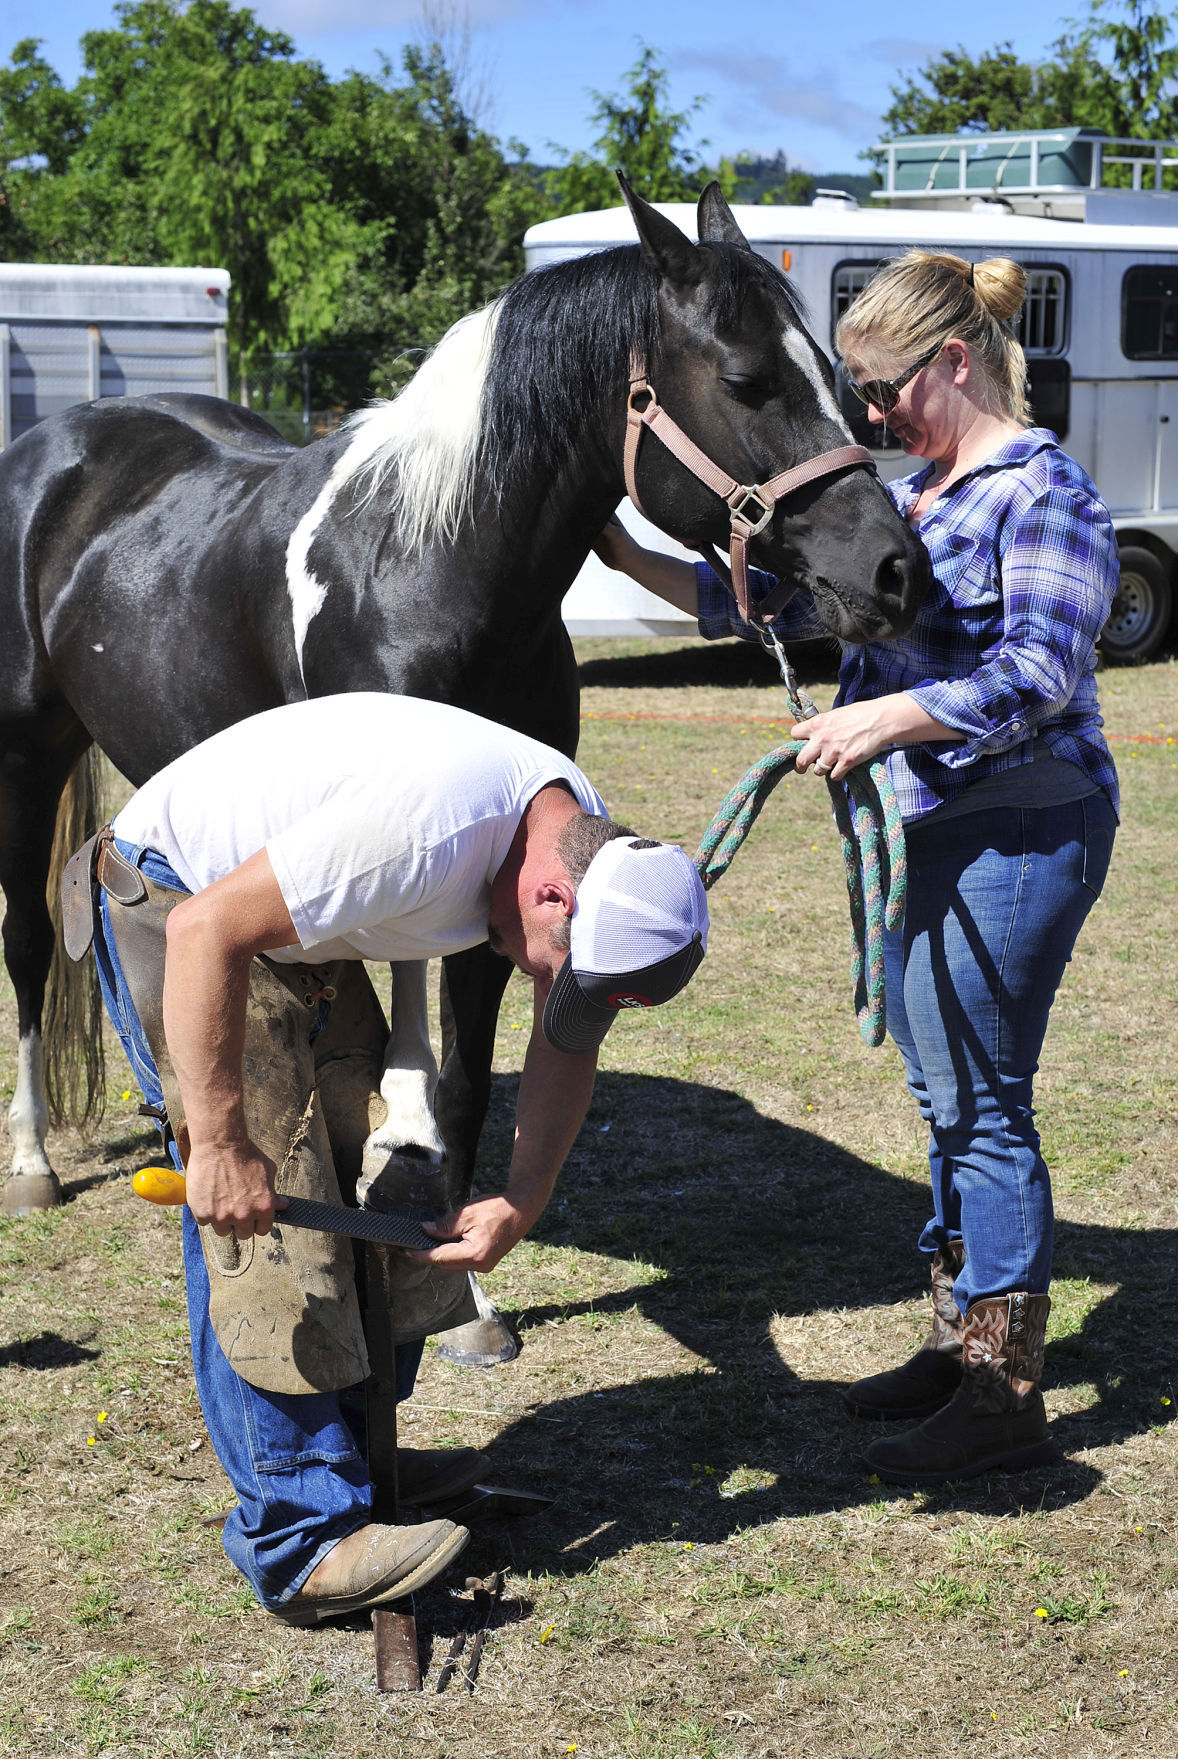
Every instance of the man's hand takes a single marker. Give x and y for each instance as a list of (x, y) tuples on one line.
[(488, 1228), (231, 1187)]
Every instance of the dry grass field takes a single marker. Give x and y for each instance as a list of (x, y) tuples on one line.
[(731, 1241)]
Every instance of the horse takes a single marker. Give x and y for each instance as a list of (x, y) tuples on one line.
[(169, 565)]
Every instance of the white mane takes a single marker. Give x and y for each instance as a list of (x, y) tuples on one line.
[(427, 435)]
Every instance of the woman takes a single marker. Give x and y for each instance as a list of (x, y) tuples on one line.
[(988, 713)]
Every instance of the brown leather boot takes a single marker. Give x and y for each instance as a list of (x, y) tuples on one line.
[(995, 1420), (929, 1379), (371, 1566)]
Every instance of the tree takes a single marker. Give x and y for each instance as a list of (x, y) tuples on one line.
[(1107, 71), (341, 209), (640, 135), (443, 213)]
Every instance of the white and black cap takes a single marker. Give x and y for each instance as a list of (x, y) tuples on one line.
[(639, 930)]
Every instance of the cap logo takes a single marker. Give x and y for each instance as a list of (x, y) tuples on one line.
[(629, 1001)]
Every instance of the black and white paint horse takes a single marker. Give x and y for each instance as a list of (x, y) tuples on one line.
[(168, 565)]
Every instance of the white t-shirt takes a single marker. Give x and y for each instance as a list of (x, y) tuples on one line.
[(385, 818)]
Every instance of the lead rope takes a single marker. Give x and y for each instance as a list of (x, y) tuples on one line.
[(875, 861)]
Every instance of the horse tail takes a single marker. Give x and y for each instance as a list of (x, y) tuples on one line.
[(74, 1064)]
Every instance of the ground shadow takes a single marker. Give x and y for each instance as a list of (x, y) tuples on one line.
[(47, 1350), (744, 1217)]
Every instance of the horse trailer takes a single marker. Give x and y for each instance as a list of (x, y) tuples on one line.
[(71, 334), (1099, 325)]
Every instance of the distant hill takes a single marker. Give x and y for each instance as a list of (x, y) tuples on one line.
[(775, 181)]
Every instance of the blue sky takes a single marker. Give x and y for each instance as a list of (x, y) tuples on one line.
[(810, 79)]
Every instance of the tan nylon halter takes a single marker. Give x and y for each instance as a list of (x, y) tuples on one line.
[(750, 508)]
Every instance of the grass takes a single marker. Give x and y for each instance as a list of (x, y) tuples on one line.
[(731, 1241)]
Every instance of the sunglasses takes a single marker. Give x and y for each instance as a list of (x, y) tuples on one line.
[(885, 393)]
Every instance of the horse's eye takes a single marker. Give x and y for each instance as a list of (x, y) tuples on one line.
[(749, 387)]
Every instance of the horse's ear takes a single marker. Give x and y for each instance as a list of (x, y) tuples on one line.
[(670, 251), (717, 223)]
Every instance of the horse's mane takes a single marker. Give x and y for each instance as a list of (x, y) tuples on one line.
[(507, 388)]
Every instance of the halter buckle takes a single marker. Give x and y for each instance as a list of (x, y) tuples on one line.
[(745, 503)]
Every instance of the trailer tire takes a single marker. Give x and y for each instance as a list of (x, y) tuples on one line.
[(1140, 618)]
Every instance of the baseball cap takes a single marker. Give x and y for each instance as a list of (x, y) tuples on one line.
[(639, 930)]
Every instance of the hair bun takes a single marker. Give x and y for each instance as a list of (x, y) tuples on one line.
[(1001, 286)]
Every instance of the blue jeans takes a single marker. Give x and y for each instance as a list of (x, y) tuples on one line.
[(995, 902), (296, 1460)]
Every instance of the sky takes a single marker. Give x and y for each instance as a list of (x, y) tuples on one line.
[(809, 79)]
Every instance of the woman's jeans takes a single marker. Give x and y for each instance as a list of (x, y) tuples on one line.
[(296, 1460), (996, 900)]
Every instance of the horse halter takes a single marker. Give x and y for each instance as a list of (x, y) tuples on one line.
[(750, 508)]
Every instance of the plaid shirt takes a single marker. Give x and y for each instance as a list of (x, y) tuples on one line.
[(1003, 649)]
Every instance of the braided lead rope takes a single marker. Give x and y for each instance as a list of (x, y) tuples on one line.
[(871, 835)]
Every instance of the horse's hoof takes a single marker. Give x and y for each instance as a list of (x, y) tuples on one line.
[(484, 1343), (26, 1193)]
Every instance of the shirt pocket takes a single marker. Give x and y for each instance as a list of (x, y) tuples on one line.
[(965, 567)]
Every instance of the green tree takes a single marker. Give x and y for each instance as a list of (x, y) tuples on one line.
[(442, 211), (1114, 69), (641, 135), (344, 211)]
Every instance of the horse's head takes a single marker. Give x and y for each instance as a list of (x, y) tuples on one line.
[(737, 370)]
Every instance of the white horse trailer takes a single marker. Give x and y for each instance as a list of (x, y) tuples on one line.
[(1099, 326), (70, 334)]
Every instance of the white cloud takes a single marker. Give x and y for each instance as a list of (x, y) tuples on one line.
[(903, 52), (309, 18), (765, 82)]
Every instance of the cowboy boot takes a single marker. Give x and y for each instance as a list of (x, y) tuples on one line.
[(995, 1420), (929, 1379)]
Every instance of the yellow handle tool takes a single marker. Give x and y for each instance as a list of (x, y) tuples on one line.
[(160, 1185), (400, 1227)]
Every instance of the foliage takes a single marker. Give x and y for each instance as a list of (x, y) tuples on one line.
[(442, 212), (195, 135), (1113, 70), (641, 136)]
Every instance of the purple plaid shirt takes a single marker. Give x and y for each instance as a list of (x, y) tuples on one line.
[(1025, 564)]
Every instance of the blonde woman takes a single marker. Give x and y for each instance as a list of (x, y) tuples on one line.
[(987, 713)]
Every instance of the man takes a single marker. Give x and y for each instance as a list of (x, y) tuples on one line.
[(268, 863)]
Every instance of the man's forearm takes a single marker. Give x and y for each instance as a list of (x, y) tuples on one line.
[(554, 1094)]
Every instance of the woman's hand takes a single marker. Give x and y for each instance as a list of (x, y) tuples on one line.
[(843, 738), (616, 548)]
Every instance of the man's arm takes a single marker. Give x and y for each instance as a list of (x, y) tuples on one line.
[(212, 939), (554, 1094)]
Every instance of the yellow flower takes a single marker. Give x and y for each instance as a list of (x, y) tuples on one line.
[(1124, 1674), (127, 1095), (1041, 1612), (90, 1439), (102, 1416), (1165, 1400), (546, 1633), (688, 1546), (874, 1479)]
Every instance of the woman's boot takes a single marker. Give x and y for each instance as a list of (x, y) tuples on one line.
[(995, 1420), (931, 1377)]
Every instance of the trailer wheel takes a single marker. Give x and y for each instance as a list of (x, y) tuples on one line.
[(1140, 618)]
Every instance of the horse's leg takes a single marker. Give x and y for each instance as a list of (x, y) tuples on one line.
[(472, 988), (403, 1156), (31, 783)]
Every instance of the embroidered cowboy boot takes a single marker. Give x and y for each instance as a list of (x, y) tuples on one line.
[(995, 1420), (929, 1379)]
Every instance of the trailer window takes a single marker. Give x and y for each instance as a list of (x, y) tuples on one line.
[(1149, 313), (847, 282), (1042, 323)]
